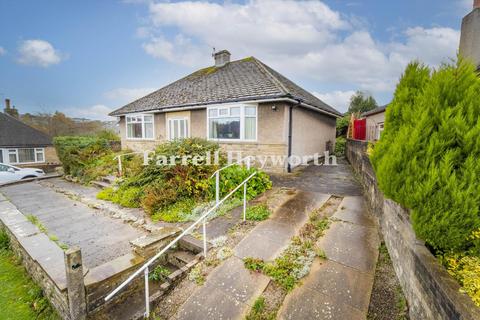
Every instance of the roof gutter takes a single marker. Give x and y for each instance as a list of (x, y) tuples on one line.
[(202, 106)]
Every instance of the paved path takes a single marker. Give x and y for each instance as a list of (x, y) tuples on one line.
[(230, 289), (339, 288), (101, 238)]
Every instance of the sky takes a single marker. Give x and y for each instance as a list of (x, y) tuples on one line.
[(86, 58)]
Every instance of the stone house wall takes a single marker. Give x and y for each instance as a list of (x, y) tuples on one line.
[(430, 291)]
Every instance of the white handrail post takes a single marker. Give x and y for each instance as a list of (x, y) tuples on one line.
[(217, 187), (205, 237), (248, 163), (120, 165), (245, 201), (147, 294)]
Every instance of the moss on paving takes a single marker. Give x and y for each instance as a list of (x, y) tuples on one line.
[(20, 298)]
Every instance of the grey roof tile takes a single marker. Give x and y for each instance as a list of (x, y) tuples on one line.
[(15, 133), (241, 80)]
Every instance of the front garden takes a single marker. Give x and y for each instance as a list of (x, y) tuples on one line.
[(427, 160), (172, 192)]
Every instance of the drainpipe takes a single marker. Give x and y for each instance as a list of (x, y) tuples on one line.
[(290, 113)]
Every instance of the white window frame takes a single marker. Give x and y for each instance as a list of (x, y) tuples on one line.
[(380, 127), (142, 115), (9, 151), (242, 117), (187, 130)]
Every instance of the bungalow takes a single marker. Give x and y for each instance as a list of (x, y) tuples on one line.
[(243, 105), (22, 145)]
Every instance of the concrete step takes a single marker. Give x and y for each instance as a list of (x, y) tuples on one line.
[(148, 245), (191, 243), (101, 184), (180, 258), (109, 179)]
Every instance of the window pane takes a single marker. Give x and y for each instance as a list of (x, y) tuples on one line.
[(26, 155), (213, 112), (223, 112), (148, 131), (250, 111), (3, 168), (12, 156), (1, 156), (225, 128), (148, 118), (182, 129), (250, 128), (39, 156), (235, 111), (134, 130)]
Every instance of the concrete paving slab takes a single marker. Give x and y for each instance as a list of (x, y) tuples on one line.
[(306, 303), (353, 209), (351, 245), (210, 302), (237, 282), (259, 246), (341, 283)]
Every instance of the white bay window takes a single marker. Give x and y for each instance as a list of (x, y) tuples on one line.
[(236, 122), (139, 126)]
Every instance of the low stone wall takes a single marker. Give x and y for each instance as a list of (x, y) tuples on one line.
[(429, 289)]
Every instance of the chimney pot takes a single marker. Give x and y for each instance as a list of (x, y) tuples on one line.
[(221, 58), (7, 104), (476, 4)]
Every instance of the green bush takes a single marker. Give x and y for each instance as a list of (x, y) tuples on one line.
[(258, 213), (340, 144), (231, 177), (4, 240), (427, 159)]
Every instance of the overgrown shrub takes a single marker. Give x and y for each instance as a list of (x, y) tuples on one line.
[(231, 177), (340, 144), (427, 159), (258, 213)]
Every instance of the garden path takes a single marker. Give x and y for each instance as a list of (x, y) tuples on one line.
[(337, 288), (100, 237)]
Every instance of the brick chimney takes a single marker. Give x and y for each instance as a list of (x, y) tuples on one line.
[(470, 35), (221, 58)]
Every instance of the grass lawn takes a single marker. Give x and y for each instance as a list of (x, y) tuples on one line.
[(20, 298)]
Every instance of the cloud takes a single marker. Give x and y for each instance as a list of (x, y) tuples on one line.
[(125, 95), (2, 51), (302, 39), (38, 53), (340, 100), (95, 112)]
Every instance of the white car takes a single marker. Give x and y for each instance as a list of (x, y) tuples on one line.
[(10, 173)]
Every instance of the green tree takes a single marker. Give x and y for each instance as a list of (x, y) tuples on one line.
[(361, 102), (427, 159)]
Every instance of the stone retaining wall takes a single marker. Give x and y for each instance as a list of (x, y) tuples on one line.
[(429, 289), (43, 259)]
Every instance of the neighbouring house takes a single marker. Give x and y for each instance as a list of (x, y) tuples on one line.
[(24, 146), (374, 122), (469, 39), (243, 105)]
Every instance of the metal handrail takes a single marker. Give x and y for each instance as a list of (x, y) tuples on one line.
[(119, 157), (217, 175), (144, 268)]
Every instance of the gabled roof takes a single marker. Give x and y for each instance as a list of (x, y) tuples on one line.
[(241, 80), (15, 133), (375, 111)]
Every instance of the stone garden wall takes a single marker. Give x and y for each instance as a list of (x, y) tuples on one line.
[(430, 291)]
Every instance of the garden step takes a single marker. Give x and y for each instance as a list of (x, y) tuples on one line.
[(109, 179), (191, 243), (101, 184), (148, 245), (180, 258)]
